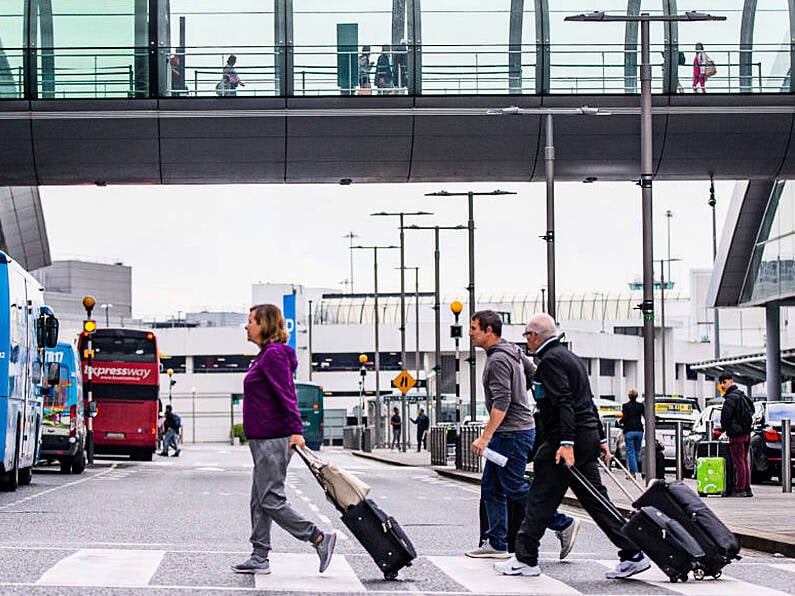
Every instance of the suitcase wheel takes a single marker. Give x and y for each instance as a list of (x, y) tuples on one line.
[(390, 575), (698, 574)]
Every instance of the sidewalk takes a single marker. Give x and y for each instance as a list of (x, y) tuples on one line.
[(765, 522)]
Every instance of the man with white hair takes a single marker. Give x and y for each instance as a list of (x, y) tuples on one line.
[(570, 435)]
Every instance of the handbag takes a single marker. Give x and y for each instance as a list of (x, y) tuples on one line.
[(710, 71), (220, 88)]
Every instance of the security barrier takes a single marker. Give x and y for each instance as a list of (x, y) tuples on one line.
[(466, 460), (352, 437)]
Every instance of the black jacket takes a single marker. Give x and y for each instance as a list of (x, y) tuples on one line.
[(632, 416), (422, 423), (563, 395), (734, 418), (171, 422)]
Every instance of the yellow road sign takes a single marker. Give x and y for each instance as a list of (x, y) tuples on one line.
[(404, 381)]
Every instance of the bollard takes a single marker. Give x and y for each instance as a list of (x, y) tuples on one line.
[(680, 468), (786, 456), (607, 435)]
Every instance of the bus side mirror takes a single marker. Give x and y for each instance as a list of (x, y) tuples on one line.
[(53, 374), (46, 328), (92, 409)]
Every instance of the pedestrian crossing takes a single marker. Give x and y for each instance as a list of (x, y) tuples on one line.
[(159, 568)]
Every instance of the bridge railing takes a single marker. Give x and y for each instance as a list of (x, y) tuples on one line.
[(273, 71)]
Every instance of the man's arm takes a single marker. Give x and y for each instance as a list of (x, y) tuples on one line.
[(495, 419)]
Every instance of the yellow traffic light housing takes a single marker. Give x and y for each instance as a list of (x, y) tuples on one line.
[(89, 326)]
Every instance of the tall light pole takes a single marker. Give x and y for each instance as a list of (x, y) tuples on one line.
[(437, 307), (309, 339), (471, 287), (377, 337), (417, 334), (668, 216), (716, 316), (549, 162), (401, 214), (646, 176), (350, 236), (362, 376), (662, 321), (106, 307)]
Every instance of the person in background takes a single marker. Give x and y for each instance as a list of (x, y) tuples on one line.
[(230, 79), (736, 420), (272, 425), (632, 415), (700, 61), (364, 66), (397, 424), (423, 424), (171, 425), (384, 74), (510, 431)]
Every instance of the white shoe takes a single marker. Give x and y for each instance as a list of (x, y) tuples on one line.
[(628, 568), (514, 566)]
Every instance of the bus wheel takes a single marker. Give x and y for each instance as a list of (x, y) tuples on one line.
[(12, 476), (66, 465), (79, 463), (25, 475)]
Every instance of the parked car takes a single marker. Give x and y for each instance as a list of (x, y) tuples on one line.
[(766, 439), (668, 411), (697, 434)]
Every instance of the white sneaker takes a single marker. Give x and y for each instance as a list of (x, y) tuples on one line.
[(628, 568), (514, 566), (567, 537), (487, 551)]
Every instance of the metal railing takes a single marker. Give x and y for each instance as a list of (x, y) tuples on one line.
[(465, 459), (491, 69)]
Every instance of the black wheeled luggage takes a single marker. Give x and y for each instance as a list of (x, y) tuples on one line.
[(381, 536), (681, 503), (664, 540)]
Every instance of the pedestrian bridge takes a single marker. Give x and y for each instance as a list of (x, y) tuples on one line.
[(126, 91)]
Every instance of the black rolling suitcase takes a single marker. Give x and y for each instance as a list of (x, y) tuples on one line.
[(661, 538), (380, 534), (681, 503)]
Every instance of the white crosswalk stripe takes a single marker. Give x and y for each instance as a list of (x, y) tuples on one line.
[(725, 586), (104, 567), (298, 572), (477, 575)]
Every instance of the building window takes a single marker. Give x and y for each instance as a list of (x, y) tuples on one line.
[(691, 374), (231, 363), (636, 331), (607, 367), (349, 361), (176, 363)]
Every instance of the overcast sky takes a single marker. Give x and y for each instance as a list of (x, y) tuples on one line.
[(201, 248)]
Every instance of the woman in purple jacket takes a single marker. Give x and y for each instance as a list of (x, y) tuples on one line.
[(272, 426)]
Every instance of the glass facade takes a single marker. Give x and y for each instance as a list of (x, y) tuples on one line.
[(772, 273), (55, 49)]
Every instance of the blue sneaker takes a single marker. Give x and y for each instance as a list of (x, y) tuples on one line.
[(325, 548), (254, 565)]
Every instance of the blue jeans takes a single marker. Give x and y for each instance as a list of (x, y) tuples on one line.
[(632, 443), (171, 440), (497, 485)]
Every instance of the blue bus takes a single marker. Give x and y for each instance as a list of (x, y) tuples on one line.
[(26, 328), (63, 437), (310, 406)]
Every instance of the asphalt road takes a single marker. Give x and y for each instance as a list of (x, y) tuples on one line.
[(175, 525)]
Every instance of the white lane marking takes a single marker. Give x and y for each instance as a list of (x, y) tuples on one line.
[(477, 575), (98, 567), (725, 586), (324, 519), (62, 486), (314, 507), (298, 491), (209, 469), (783, 566), (298, 572)]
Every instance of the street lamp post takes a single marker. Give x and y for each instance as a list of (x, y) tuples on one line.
[(662, 321), (437, 307), (549, 164), (455, 332), (716, 316), (646, 177), (377, 338), (350, 236), (417, 331), (401, 214), (171, 382), (106, 307), (89, 326), (471, 287), (362, 376)]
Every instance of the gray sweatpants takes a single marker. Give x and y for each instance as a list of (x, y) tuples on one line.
[(268, 501)]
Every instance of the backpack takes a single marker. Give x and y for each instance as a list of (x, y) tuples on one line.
[(178, 421), (682, 59), (745, 412)]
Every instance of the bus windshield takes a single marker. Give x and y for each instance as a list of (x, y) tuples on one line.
[(124, 349)]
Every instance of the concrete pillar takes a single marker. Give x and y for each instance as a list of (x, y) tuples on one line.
[(773, 350)]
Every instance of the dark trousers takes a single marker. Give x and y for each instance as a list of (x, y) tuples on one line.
[(549, 486), (738, 449), (422, 440)]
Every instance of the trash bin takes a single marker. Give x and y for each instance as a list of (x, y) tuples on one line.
[(367, 439)]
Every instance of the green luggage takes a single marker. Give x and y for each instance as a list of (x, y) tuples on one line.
[(711, 476)]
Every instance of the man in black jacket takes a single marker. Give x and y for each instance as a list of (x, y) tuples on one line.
[(570, 435), (735, 420)]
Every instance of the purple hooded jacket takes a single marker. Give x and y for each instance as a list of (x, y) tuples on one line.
[(270, 408)]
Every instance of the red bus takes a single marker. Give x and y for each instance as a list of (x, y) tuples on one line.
[(126, 387)]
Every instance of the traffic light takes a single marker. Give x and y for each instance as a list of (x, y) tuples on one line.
[(89, 326)]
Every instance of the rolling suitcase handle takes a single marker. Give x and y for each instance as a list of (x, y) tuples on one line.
[(606, 503)]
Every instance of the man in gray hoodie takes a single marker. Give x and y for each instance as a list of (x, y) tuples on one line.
[(510, 431)]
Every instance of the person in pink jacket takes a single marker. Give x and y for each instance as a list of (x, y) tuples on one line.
[(700, 68)]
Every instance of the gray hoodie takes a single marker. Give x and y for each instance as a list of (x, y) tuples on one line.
[(507, 376)]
